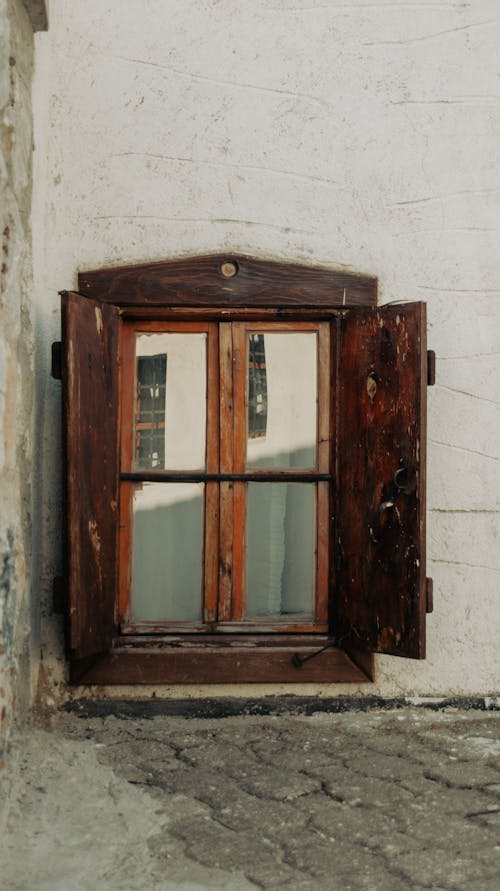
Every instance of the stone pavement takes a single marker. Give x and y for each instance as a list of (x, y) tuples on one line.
[(376, 800)]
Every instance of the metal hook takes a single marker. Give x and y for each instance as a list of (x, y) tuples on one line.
[(375, 525), (400, 481), (334, 643)]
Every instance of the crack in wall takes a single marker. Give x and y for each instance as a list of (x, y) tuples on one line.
[(436, 34), (257, 223), (273, 171), (291, 94)]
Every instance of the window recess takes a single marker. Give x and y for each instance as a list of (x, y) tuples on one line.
[(244, 474)]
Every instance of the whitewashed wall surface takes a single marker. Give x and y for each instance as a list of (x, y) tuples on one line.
[(360, 135)]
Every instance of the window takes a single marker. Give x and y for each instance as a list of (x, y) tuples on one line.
[(270, 492), (245, 490)]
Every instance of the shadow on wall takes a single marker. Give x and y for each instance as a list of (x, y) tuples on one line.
[(280, 535), (8, 616)]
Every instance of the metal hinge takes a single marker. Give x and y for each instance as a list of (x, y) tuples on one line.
[(56, 365), (58, 595), (431, 368), (429, 599)]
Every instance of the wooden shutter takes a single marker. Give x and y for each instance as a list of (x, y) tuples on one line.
[(380, 597), (90, 406)]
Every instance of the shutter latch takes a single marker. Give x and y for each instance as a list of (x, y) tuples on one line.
[(431, 368), (429, 600), (399, 486)]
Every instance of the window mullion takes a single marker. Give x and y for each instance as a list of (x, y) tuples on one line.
[(239, 487), (226, 402), (212, 495), (127, 372), (325, 434)]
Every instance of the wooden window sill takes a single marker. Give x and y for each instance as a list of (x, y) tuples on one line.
[(257, 660)]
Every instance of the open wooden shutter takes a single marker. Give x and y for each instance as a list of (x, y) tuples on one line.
[(90, 405), (380, 598)]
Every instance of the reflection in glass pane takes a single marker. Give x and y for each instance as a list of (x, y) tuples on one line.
[(150, 416), (167, 551), (170, 409), (282, 400), (281, 545), (257, 386)]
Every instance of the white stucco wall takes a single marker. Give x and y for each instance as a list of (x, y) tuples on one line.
[(361, 135)]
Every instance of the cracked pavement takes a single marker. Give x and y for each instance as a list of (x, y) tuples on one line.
[(358, 800)]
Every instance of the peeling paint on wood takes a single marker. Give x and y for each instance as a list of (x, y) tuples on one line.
[(91, 366), (380, 600)]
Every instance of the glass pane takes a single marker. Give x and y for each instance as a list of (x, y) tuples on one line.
[(281, 400), (170, 401), (167, 551), (281, 545)]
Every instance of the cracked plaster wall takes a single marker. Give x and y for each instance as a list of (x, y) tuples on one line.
[(17, 642), (361, 135)]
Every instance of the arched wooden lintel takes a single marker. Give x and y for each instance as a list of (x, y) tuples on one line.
[(228, 279)]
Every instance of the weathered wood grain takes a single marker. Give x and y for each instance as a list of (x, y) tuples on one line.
[(198, 281), (381, 591), (220, 665), (90, 406)]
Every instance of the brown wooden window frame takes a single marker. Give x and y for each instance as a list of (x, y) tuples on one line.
[(223, 595), (370, 473)]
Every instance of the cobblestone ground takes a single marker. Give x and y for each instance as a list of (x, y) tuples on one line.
[(377, 800)]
